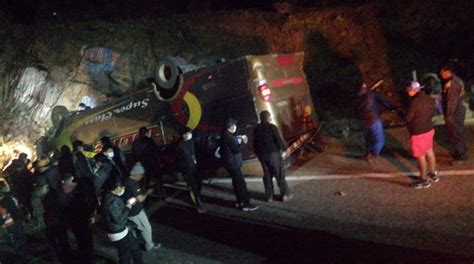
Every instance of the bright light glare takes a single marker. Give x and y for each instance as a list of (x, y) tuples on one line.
[(10, 150)]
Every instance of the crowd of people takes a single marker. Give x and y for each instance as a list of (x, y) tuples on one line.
[(423, 105), (70, 192)]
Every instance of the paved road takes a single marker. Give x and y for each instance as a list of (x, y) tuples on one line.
[(345, 211)]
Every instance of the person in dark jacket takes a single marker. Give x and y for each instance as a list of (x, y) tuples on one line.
[(79, 203), (56, 228), (103, 172), (269, 148), (65, 161), (46, 177), (137, 215), (367, 104), (116, 213), (187, 162), (454, 112), (10, 220), (83, 166), (420, 126), (115, 155), (21, 182), (231, 156), (146, 152)]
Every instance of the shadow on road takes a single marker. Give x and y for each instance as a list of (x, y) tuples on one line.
[(284, 244)]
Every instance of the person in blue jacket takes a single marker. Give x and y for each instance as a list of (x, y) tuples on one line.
[(367, 110)]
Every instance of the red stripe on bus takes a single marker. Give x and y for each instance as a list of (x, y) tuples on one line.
[(287, 81)]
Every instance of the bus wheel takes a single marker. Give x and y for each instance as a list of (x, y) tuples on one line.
[(166, 74), (58, 113), (168, 80)]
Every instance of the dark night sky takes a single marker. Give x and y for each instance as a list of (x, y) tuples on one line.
[(32, 11)]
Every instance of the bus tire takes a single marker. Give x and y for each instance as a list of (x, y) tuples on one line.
[(166, 74), (58, 113)]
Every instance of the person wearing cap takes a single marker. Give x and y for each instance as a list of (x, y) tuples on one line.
[(137, 214), (146, 151), (367, 110), (116, 213), (269, 148), (187, 162), (231, 157), (10, 220), (420, 126), (454, 111)]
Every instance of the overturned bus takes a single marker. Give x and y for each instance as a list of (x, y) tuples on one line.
[(201, 100)]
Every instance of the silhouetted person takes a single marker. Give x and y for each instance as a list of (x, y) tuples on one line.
[(115, 155), (103, 172), (65, 161), (46, 177), (367, 110), (10, 220), (231, 156), (454, 112), (187, 163), (116, 216), (21, 182), (56, 228), (146, 151), (137, 213), (269, 148), (83, 167), (79, 202)]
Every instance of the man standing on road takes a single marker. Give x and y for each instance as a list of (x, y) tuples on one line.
[(187, 163), (232, 160), (146, 152), (454, 112), (420, 125), (366, 108), (116, 214), (269, 148), (137, 214)]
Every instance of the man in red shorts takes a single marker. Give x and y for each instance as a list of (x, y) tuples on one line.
[(420, 126)]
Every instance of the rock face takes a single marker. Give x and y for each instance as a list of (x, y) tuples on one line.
[(45, 65)]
